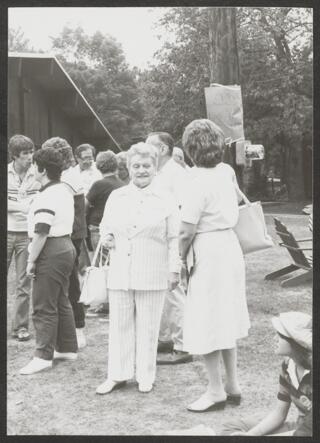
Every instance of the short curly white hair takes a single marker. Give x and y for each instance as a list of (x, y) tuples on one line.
[(144, 150)]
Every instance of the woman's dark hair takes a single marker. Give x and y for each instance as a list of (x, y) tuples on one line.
[(300, 354), (51, 160), (61, 145), (203, 141), (106, 162)]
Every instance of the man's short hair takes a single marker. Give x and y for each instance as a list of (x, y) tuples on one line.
[(19, 143), (84, 147), (165, 138)]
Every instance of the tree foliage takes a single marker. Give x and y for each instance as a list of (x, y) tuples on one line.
[(18, 42), (173, 88), (275, 53), (97, 65)]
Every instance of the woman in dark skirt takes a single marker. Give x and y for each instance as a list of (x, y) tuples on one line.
[(51, 259)]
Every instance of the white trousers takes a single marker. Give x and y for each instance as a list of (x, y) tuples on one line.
[(133, 334), (171, 327)]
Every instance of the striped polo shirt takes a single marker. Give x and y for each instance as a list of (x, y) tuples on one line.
[(20, 191), (293, 390), (52, 211)]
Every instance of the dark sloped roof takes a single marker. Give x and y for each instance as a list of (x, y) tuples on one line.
[(48, 72)]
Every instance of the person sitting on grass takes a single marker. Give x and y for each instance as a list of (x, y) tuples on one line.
[(294, 330)]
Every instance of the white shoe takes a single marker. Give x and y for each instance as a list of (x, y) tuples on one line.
[(81, 339), (108, 386), (36, 365), (65, 355), (145, 387)]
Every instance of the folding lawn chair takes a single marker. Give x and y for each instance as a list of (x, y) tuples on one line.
[(299, 258)]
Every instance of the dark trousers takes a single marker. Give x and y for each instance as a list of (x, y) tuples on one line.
[(52, 313), (74, 288)]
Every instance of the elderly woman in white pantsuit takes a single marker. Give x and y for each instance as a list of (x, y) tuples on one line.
[(216, 313), (140, 227)]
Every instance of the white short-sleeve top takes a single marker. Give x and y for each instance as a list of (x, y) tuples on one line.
[(52, 211), (210, 200)]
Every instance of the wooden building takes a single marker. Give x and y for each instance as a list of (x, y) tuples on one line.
[(44, 102)]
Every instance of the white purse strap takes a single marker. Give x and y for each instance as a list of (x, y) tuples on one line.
[(96, 252), (242, 195)]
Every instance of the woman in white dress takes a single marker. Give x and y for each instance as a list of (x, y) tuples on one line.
[(216, 313)]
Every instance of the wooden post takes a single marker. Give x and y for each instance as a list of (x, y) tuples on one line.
[(224, 62)]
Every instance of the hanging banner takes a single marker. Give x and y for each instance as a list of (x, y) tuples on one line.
[(224, 107)]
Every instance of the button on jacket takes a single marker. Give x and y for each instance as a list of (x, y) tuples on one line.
[(145, 226)]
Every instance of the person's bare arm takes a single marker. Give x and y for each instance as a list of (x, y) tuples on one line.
[(87, 205), (16, 206), (186, 235), (271, 422), (35, 248)]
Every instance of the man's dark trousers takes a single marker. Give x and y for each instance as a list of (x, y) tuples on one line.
[(74, 288)]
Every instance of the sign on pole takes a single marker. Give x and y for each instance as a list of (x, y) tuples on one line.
[(224, 107)]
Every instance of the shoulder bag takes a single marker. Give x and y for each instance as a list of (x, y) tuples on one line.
[(94, 289), (251, 228)]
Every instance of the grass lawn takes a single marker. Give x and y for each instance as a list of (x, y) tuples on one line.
[(62, 401)]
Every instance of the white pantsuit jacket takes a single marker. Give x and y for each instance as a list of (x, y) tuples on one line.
[(145, 226)]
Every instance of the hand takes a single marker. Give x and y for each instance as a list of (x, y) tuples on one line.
[(31, 269), (174, 278), (108, 241)]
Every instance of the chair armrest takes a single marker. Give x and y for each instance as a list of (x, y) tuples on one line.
[(293, 248), (304, 239)]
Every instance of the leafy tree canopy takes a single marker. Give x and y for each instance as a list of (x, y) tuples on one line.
[(17, 41), (97, 65), (275, 54)]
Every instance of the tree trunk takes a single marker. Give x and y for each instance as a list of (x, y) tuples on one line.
[(224, 61), (223, 52), (294, 171)]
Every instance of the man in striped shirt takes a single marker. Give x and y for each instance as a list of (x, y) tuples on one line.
[(22, 187)]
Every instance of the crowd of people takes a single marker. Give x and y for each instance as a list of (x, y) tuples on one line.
[(176, 279)]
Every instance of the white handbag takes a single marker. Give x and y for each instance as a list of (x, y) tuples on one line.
[(94, 290), (251, 228)]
